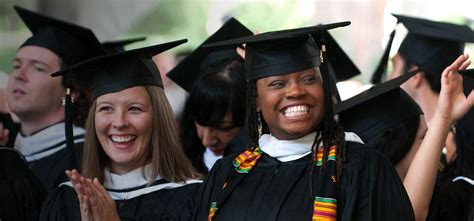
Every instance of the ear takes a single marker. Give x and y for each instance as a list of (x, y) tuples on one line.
[(417, 80), (257, 104), (74, 95)]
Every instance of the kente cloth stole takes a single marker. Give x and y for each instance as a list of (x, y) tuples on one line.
[(325, 203)]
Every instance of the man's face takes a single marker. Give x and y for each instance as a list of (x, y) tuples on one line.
[(31, 92)]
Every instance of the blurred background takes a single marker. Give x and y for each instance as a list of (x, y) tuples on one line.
[(166, 20)]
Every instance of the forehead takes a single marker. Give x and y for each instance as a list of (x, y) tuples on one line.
[(37, 54), (310, 71), (137, 93)]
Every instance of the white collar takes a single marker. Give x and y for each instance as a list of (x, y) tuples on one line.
[(46, 142), (132, 179), (463, 178), (210, 158), (288, 150), (134, 184)]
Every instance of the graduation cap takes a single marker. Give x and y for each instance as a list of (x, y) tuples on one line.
[(381, 69), (341, 65), (286, 51), (186, 73), (115, 72), (282, 52), (118, 46), (21, 192), (433, 46), (71, 42), (370, 113)]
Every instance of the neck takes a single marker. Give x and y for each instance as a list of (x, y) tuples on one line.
[(217, 152), (124, 168), (30, 126), (428, 101)]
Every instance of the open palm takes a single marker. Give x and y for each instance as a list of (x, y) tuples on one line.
[(452, 103)]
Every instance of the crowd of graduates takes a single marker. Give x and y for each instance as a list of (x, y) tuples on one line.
[(90, 133)]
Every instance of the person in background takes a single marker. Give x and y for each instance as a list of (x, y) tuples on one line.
[(430, 47), (37, 99), (214, 112), (175, 94), (388, 119), (133, 165)]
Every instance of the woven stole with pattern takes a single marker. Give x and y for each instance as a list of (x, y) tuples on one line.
[(325, 201)]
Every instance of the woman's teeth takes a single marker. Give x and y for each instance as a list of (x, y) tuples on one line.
[(294, 111), (122, 139)]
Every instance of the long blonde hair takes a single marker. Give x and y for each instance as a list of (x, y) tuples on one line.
[(165, 153)]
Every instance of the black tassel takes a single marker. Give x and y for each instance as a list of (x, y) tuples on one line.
[(328, 102), (69, 118)]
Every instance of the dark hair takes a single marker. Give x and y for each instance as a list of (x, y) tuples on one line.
[(329, 132), (219, 90), (433, 79), (396, 142), (82, 102)]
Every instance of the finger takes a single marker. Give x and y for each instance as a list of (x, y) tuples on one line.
[(85, 214), (96, 203), (241, 52), (93, 209), (79, 192), (68, 173), (458, 62), (465, 64), (101, 189), (74, 179)]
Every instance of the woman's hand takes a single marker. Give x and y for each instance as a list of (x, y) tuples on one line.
[(77, 181), (95, 202), (101, 204), (452, 103)]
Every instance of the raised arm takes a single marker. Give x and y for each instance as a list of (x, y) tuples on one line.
[(452, 105)]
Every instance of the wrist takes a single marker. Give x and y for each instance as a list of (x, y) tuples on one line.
[(439, 120)]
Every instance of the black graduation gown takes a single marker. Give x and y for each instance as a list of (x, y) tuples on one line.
[(455, 202), (51, 170), (370, 189), (164, 204)]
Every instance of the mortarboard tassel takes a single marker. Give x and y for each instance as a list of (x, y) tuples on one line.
[(69, 113)]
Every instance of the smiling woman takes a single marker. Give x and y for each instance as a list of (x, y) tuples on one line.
[(305, 166), (132, 151), (123, 124), (278, 101)]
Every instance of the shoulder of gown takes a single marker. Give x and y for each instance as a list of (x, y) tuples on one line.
[(61, 204), (50, 170)]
